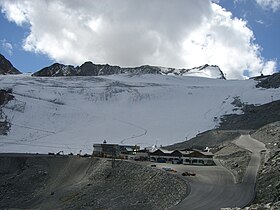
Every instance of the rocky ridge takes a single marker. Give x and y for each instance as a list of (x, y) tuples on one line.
[(253, 117), (91, 69), (6, 67), (271, 81)]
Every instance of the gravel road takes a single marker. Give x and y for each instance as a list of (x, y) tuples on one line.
[(213, 188)]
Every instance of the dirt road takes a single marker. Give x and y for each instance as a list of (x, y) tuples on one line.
[(213, 187)]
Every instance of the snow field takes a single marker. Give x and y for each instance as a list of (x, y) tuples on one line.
[(72, 113)]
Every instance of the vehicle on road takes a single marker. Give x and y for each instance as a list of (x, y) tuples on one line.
[(177, 161), (188, 173), (161, 160), (169, 169), (153, 165)]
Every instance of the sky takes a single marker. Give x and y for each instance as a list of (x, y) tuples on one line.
[(240, 36)]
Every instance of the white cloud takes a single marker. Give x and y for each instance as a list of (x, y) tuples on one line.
[(15, 11), (260, 22), (274, 5), (228, 42), (174, 33), (6, 46)]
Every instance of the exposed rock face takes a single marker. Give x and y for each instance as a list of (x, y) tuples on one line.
[(268, 184), (254, 117), (272, 81), (6, 67), (56, 70), (209, 71), (268, 206), (91, 69), (5, 97)]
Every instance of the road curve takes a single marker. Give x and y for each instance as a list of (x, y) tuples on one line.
[(254, 146), (213, 188)]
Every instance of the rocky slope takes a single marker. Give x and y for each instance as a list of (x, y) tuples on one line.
[(235, 159), (5, 97), (271, 81), (268, 185), (254, 117), (268, 181), (269, 206), (70, 182), (212, 138), (91, 69), (6, 67)]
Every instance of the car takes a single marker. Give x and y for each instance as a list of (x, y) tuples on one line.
[(86, 155), (161, 160), (153, 165), (177, 161), (169, 169), (188, 173)]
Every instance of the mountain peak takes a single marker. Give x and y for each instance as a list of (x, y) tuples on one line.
[(6, 67), (90, 69), (206, 70)]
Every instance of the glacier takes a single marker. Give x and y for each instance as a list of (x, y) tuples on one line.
[(50, 114)]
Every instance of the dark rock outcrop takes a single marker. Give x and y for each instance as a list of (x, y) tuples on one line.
[(56, 70), (6, 67), (272, 81), (91, 69), (253, 117), (202, 68), (5, 97)]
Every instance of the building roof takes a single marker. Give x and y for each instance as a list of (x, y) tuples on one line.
[(205, 153), (166, 151)]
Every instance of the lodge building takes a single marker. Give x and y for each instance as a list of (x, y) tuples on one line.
[(187, 156)]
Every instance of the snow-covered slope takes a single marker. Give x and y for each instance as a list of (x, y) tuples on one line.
[(206, 71), (72, 113)]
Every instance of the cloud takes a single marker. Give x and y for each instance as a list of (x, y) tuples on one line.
[(175, 33), (273, 5), (15, 11), (260, 22), (6, 46)]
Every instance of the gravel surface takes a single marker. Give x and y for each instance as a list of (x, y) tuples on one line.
[(69, 182), (268, 181), (211, 138), (268, 185), (268, 206), (235, 159)]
